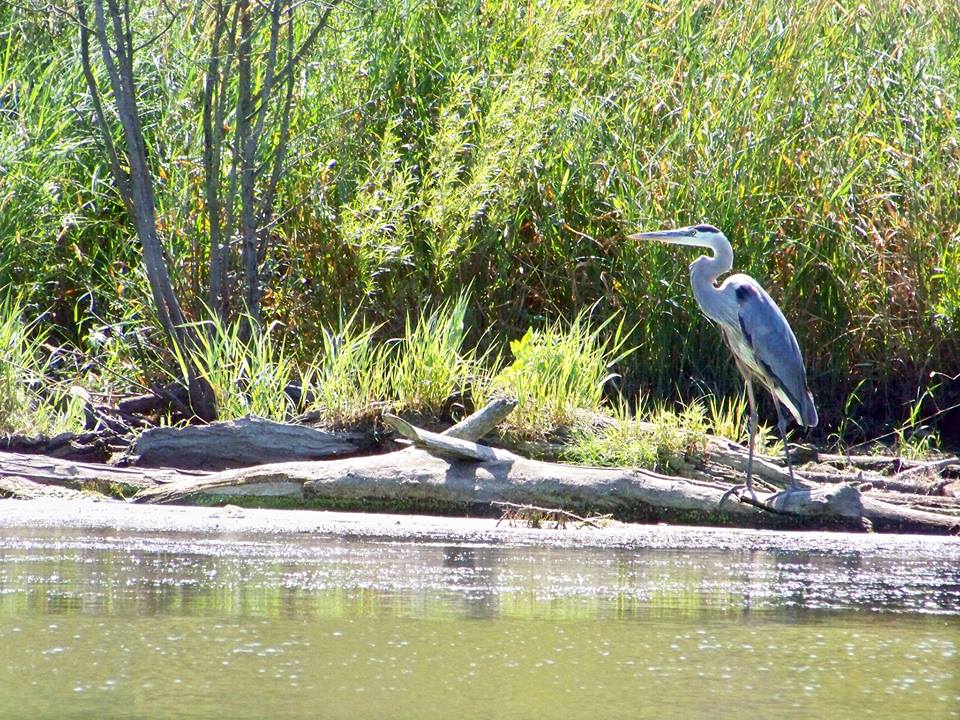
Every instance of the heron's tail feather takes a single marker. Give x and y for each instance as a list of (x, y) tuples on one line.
[(809, 411)]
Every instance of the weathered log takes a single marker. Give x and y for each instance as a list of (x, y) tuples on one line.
[(463, 474), (483, 421), (894, 463), (450, 472), (928, 468), (176, 396), (865, 477), (84, 476), (418, 474), (241, 443), (933, 503), (159, 398)]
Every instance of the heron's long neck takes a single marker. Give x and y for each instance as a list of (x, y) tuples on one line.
[(704, 273)]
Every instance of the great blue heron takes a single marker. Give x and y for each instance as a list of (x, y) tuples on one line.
[(762, 343)]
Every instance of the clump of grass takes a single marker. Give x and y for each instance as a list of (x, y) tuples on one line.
[(729, 418), (248, 375), (354, 376), (430, 363), (556, 372), (31, 401), (349, 378), (914, 439), (626, 442), (683, 432), (655, 440)]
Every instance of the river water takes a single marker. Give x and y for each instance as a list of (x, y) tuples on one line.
[(250, 614)]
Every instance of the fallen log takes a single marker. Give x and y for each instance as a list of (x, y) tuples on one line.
[(92, 477), (241, 443), (723, 459), (929, 468), (460, 474), (415, 474), (880, 463), (159, 398)]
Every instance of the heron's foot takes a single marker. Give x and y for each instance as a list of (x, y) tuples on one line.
[(738, 490)]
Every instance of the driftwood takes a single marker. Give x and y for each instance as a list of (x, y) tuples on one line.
[(483, 421), (460, 471), (87, 477), (455, 471), (241, 443), (83, 447), (161, 398), (20, 488)]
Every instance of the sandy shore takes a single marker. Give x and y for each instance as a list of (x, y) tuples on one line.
[(17, 515)]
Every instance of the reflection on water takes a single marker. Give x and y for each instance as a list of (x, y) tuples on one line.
[(113, 625)]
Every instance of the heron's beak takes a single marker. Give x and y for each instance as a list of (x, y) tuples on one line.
[(680, 236)]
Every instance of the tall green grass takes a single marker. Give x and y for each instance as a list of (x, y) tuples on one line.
[(32, 402), (348, 380), (660, 437), (248, 375), (431, 363), (556, 373), (355, 375), (511, 146)]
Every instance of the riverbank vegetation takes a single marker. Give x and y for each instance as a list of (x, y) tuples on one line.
[(505, 148)]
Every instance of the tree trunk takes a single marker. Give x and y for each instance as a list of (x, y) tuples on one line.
[(113, 32)]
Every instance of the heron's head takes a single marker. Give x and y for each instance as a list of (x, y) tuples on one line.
[(697, 235)]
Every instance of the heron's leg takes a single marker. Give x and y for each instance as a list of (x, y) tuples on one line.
[(752, 425), (753, 435), (782, 426)]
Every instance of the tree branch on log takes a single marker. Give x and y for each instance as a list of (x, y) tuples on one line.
[(535, 515), (483, 420)]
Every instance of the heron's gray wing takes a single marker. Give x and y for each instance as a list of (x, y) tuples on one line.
[(774, 347)]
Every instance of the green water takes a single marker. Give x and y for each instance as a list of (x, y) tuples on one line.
[(98, 624)]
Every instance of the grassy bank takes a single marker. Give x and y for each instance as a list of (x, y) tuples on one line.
[(509, 146), (560, 377)]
